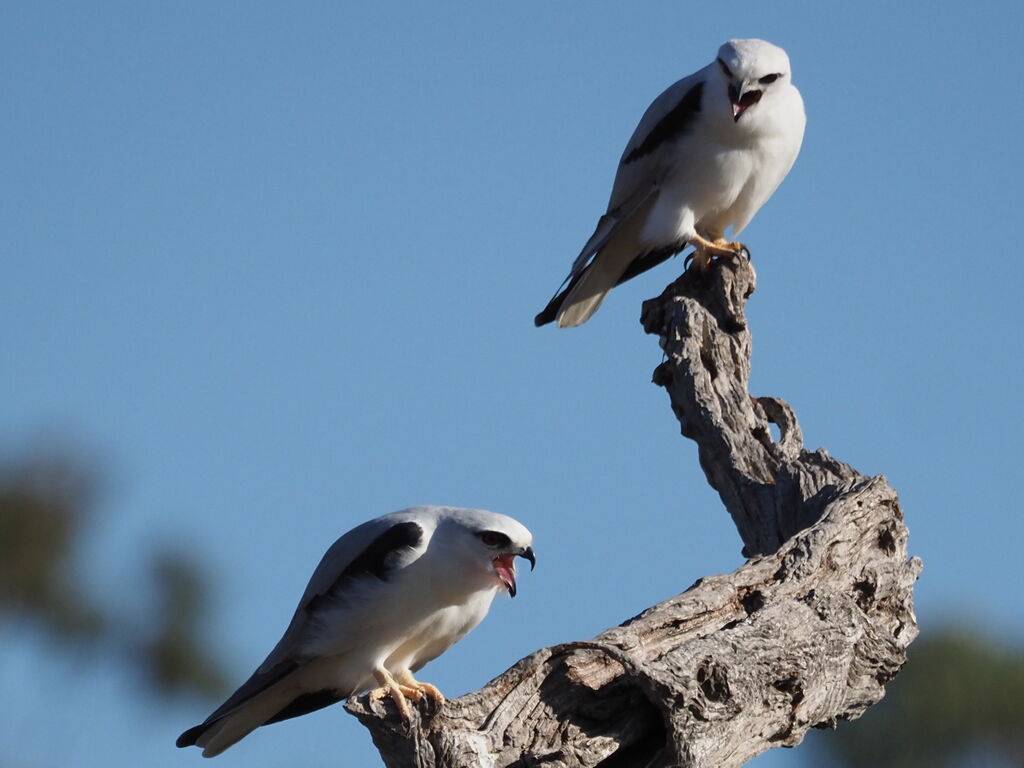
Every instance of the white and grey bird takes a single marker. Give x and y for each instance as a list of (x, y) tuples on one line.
[(387, 597), (707, 154)]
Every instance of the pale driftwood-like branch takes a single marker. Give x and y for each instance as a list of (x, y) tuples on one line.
[(808, 632)]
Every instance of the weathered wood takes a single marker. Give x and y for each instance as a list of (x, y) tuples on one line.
[(806, 633)]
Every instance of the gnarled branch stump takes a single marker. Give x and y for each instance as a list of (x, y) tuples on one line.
[(806, 633)]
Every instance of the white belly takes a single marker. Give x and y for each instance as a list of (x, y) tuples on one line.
[(712, 189), (438, 632), (401, 636)]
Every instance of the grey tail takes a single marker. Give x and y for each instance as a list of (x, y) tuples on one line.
[(636, 267), (188, 738), (550, 312)]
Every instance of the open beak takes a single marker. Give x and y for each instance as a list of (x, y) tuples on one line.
[(505, 568), (742, 100)]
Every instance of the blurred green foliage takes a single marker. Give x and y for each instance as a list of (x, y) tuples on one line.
[(43, 508), (46, 507), (958, 702), (173, 654)]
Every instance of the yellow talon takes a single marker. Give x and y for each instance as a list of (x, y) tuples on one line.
[(423, 689), (402, 688), (410, 693), (707, 250), (388, 687)]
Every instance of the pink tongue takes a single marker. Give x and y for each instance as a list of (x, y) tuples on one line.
[(506, 571)]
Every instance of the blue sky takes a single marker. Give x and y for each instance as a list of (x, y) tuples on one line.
[(274, 268)]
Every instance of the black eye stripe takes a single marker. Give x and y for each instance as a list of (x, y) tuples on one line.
[(494, 538), (769, 79), (725, 69)]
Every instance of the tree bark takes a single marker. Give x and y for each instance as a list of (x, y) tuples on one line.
[(805, 634)]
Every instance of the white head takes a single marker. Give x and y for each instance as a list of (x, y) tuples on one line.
[(485, 543), (747, 72)]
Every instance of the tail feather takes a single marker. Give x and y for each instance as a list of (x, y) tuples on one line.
[(589, 293), (585, 295), (550, 312), (618, 255), (636, 267), (214, 736), (287, 690)]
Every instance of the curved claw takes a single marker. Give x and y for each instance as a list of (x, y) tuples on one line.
[(397, 692), (432, 697), (743, 251), (435, 699)]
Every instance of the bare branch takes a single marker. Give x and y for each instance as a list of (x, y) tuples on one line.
[(806, 633)]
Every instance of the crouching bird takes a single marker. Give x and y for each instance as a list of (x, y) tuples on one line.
[(387, 597), (706, 155)]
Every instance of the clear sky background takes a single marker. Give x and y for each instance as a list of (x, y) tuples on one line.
[(274, 269)]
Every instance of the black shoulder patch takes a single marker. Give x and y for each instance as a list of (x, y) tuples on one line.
[(376, 560), (675, 123)]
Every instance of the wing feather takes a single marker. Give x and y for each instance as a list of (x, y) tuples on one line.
[(669, 117), (641, 171), (371, 549), (368, 553)]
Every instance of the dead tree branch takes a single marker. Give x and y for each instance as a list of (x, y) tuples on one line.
[(806, 633)]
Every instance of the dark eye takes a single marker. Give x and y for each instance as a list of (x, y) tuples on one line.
[(724, 68), (494, 539), (769, 79)]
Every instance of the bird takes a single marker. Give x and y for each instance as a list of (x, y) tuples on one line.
[(388, 596), (706, 155)]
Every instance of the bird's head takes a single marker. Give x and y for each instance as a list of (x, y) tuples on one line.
[(502, 551), (489, 543), (750, 71)]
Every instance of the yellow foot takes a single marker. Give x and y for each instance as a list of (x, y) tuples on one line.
[(719, 247), (721, 242), (397, 692), (422, 689)]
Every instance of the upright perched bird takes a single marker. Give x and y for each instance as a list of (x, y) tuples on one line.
[(707, 154), (387, 597)]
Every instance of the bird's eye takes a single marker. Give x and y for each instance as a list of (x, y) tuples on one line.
[(769, 79), (724, 68), (494, 539)]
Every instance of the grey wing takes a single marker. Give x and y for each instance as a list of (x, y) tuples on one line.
[(671, 116), (644, 164), (642, 169), (371, 550), (368, 549)]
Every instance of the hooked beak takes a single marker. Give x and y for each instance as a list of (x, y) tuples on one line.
[(505, 568), (527, 554), (742, 99)]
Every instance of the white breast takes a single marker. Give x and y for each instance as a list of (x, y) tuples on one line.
[(439, 631), (720, 180), (400, 624)]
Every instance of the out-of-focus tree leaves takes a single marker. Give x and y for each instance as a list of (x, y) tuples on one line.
[(45, 506), (172, 655), (959, 697)]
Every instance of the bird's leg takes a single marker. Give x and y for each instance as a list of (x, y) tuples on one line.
[(398, 692), (425, 689), (720, 247)]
